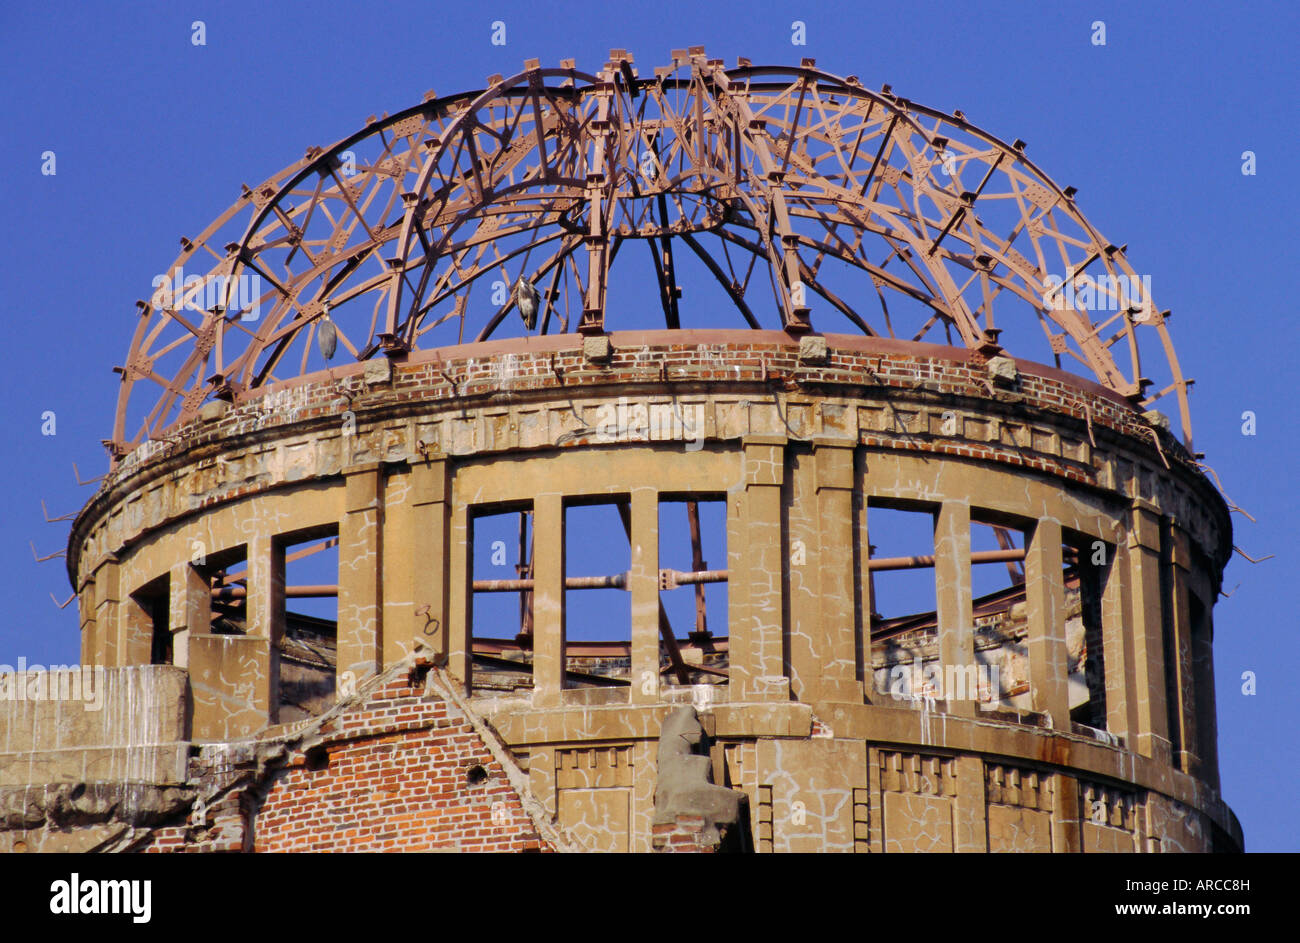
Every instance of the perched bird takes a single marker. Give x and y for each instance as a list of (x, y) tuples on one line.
[(528, 299), (327, 336)]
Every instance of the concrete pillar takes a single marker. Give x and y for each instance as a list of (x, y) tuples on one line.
[(756, 632), (643, 583), (265, 609), (90, 641), (1045, 598), (107, 615), (460, 600), (1146, 626), (1185, 676), (134, 633), (124, 627), (1067, 829), (739, 679), (862, 582), (836, 644), (548, 600), (970, 806), (952, 575), (360, 632), (189, 612), (417, 565), (802, 582), (1117, 643)]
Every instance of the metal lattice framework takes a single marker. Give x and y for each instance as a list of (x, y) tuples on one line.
[(787, 184)]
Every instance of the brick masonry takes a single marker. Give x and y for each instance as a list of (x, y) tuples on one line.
[(403, 770)]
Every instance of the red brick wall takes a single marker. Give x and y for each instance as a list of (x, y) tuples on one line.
[(684, 836), (395, 780)]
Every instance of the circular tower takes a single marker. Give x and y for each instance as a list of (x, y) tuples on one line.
[(821, 412)]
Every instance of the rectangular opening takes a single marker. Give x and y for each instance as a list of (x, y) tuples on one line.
[(597, 604), (154, 602), (1086, 569), (308, 653), (693, 590), (501, 597), (229, 571), (903, 619), (999, 612)]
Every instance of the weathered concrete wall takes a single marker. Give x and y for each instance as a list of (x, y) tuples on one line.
[(395, 457), (106, 726)]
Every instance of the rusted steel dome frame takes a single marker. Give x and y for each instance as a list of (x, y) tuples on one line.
[(579, 164)]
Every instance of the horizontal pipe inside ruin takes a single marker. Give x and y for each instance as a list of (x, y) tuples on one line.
[(222, 593), (616, 581), (918, 563), (619, 580)]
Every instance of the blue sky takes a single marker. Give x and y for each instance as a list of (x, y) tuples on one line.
[(154, 135)]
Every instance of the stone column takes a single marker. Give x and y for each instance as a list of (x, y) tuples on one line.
[(91, 653), (1185, 677), (266, 615), (1117, 644), (190, 610), (1045, 598), (360, 632), (970, 806), (1147, 628), (757, 629), (643, 583), (124, 627), (864, 602), (1067, 829), (460, 596), (548, 600), (952, 576), (422, 564), (835, 644), (107, 609)]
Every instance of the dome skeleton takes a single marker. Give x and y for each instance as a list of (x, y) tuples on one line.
[(762, 174)]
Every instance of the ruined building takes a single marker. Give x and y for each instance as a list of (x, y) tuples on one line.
[(715, 459)]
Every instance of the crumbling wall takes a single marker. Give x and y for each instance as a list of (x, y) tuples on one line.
[(404, 765)]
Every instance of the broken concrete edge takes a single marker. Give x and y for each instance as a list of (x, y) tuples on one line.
[(684, 787), (75, 805)]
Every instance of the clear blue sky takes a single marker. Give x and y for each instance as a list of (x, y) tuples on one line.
[(153, 136)]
